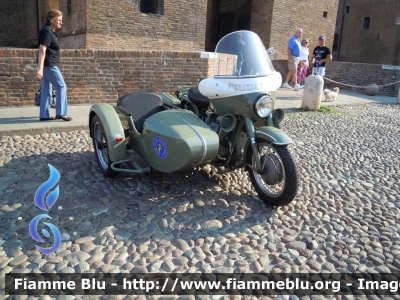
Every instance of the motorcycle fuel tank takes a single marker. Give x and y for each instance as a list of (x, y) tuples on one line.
[(177, 139)]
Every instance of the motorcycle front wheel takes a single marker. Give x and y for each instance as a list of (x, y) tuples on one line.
[(278, 184)]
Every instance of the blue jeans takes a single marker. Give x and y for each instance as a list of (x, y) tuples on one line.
[(52, 77), (318, 71)]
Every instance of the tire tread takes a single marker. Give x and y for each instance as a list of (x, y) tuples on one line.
[(106, 172), (292, 178)]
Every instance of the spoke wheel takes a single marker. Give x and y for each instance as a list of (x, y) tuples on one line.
[(277, 185), (101, 147)]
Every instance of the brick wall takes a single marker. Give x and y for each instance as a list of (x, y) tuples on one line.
[(43, 7), (94, 76), (362, 74), (308, 15), (358, 74), (261, 20), (18, 23), (75, 41), (276, 21), (73, 32), (108, 24), (182, 25), (376, 44), (119, 25)]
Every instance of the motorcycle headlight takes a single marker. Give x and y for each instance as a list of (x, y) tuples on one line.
[(264, 106)]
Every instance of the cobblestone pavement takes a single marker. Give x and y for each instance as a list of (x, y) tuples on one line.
[(344, 219)]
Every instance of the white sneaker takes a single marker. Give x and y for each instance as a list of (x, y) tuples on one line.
[(286, 86), (298, 87)]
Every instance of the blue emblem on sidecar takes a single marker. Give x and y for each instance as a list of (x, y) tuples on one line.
[(160, 147)]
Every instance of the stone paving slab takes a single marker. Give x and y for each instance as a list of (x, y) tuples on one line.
[(25, 120)]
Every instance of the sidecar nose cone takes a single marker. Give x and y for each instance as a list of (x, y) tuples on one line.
[(118, 138)]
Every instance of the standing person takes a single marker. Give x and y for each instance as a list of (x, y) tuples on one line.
[(302, 69), (240, 51), (320, 56), (47, 61), (293, 52)]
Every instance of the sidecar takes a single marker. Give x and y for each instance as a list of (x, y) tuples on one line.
[(165, 137), (227, 120)]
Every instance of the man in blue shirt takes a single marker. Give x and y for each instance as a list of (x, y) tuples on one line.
[(293, 52)]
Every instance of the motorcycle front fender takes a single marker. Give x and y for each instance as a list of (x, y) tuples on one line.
[(112, 126), (274, 135)]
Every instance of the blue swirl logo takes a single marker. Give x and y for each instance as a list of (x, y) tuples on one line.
[(51, 199)]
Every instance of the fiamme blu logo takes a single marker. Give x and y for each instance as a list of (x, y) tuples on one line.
[(41, 200)]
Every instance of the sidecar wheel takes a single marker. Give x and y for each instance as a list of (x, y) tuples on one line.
[(101, 147), (278, 185)]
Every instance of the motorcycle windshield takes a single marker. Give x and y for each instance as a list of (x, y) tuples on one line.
[(242, 54)]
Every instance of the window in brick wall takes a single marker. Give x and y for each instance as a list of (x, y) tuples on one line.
[(366, 22), (347, 10), (69, 7), (152, 7), (325, 14)]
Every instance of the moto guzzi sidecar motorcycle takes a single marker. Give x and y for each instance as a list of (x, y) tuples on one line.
[(228, 121)]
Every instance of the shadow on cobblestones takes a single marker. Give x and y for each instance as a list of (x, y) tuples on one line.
[(134, 212)]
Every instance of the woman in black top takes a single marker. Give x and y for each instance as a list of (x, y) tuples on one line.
[(47, 62)]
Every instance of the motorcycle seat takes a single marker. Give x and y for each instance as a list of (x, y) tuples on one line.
[(140, 105), (196, 97)]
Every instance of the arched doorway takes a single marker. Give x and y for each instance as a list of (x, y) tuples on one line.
[(226, 16)]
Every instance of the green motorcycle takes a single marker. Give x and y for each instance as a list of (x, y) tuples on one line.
[(227, 121)]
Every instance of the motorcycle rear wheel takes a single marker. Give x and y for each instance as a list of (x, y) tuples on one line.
[(278, 185), (101, 147)]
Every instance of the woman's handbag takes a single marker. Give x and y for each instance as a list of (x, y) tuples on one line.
[(37, 97), (53, 99)]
